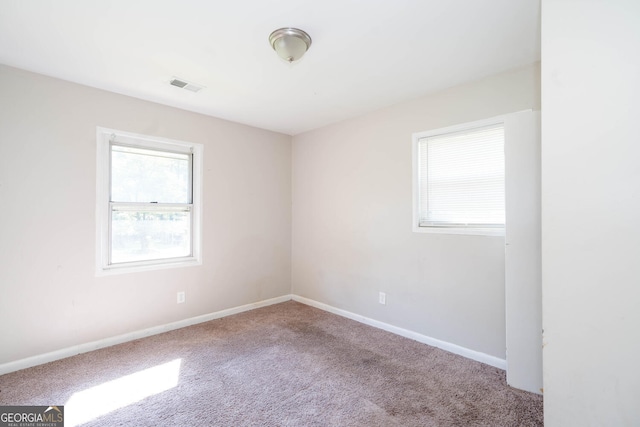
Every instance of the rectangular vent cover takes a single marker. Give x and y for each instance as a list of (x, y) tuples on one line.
[(192, 87)]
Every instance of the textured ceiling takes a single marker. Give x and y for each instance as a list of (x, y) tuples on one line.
[(366, 54)]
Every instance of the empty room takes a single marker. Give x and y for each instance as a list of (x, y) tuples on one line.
[(340, 213)]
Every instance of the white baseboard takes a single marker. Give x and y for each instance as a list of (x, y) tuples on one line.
[(40, 359), (452, 348)]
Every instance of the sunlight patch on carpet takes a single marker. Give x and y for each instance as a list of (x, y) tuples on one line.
[(97, 401)]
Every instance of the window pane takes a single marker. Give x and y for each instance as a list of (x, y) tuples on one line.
[(145, 176), (149, 235)]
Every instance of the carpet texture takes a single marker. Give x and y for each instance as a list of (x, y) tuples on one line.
[(283, 365)]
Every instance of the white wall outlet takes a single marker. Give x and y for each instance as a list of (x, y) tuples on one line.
[(181, 297), (382, 298)]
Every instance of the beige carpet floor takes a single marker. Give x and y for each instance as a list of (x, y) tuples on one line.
[(282, 365)]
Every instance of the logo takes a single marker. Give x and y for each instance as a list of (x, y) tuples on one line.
[(31, 416)]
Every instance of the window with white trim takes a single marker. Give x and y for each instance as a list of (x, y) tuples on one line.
[(459, 179), (148, 202)]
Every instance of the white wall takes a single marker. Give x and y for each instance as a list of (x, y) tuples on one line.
[(50, 297), (352, 210), (590, 211)]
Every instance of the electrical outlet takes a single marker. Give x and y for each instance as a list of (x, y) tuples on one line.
[(181, 297), (382, 298)]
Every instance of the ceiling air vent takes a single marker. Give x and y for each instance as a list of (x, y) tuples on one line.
[(183, 84)]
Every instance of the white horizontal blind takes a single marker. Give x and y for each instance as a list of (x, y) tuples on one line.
[(461, 178)]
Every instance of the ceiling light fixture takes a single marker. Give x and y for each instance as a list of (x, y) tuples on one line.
[(290, 43)]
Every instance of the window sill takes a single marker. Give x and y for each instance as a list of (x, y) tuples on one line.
[(149, 266), (497, 232)]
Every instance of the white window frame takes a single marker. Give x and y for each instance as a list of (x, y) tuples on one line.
[(416, 137), (104, 138)]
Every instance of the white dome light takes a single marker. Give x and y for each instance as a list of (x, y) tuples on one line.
[(290, 43)]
